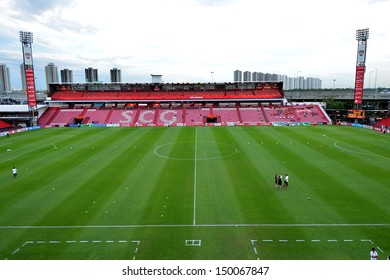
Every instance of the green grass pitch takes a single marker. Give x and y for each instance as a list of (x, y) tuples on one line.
[(195, 193)]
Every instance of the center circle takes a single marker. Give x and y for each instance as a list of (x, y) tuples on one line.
[(189, 150)]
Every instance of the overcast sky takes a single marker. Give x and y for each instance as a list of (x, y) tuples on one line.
[(186, 40)]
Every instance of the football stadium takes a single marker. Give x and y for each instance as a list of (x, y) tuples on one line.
[(193, 171), (187, 172)]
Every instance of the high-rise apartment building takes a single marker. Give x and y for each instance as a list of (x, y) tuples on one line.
[(91, 75), (66, 76), (237, 76), (51, 73), (115, 75), (289, 83), (5, 80), (247, 76)]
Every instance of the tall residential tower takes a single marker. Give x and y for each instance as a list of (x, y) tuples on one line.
[(5, 81), (115, 75), (51, 72), (66, 76), (91, 75)]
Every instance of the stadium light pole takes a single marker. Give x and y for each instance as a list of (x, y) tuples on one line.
[(362, 36), (26, 38)]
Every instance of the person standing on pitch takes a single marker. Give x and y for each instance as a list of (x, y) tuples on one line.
[(276, 180), (280, 179), (373, 254), (14, 172), (286, 181)]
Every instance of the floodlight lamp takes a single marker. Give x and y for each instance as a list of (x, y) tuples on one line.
[(26, 37), (362, 34)]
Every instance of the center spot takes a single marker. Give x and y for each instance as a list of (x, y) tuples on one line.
[(189, 150)]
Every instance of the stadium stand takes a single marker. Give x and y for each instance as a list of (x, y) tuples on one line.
[(226, 115), (196, 116), (268, 93), (65, 116), (252, 115), (122, 116), (48, 116), (96, 115), (146, 116), (257, 103), (4, 124), (189, 116), (385, 122), (309, 113), (67, 95), (169, 117), (280, 114)]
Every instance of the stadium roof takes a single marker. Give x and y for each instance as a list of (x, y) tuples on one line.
[(17, 108)]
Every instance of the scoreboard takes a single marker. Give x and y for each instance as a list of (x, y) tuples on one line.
[(355, 114)]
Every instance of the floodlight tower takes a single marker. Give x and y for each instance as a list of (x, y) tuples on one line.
[(362, 37), (26, 38)]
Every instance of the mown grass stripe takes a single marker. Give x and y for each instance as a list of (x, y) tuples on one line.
[(106, 177), (172, 179)]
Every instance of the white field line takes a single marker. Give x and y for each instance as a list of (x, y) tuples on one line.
[(195, 175), (14, 252), (362, 151), (30, 151), (336, 141), (137, 242), (253, 241), (234, 151), (317, 241), (380, 249), (191, 225)]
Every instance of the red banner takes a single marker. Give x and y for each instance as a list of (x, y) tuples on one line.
[(30, 87), (359, 81)]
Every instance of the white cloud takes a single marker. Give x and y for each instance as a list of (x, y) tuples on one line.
[(185, 40)]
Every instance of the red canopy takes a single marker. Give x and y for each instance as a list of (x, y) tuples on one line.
[(4, 124), (383, 122)]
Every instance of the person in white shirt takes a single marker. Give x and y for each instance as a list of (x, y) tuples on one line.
[(286, 181), (373, 254), (14, 172)]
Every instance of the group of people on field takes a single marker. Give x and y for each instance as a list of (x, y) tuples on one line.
[(279, 181)]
